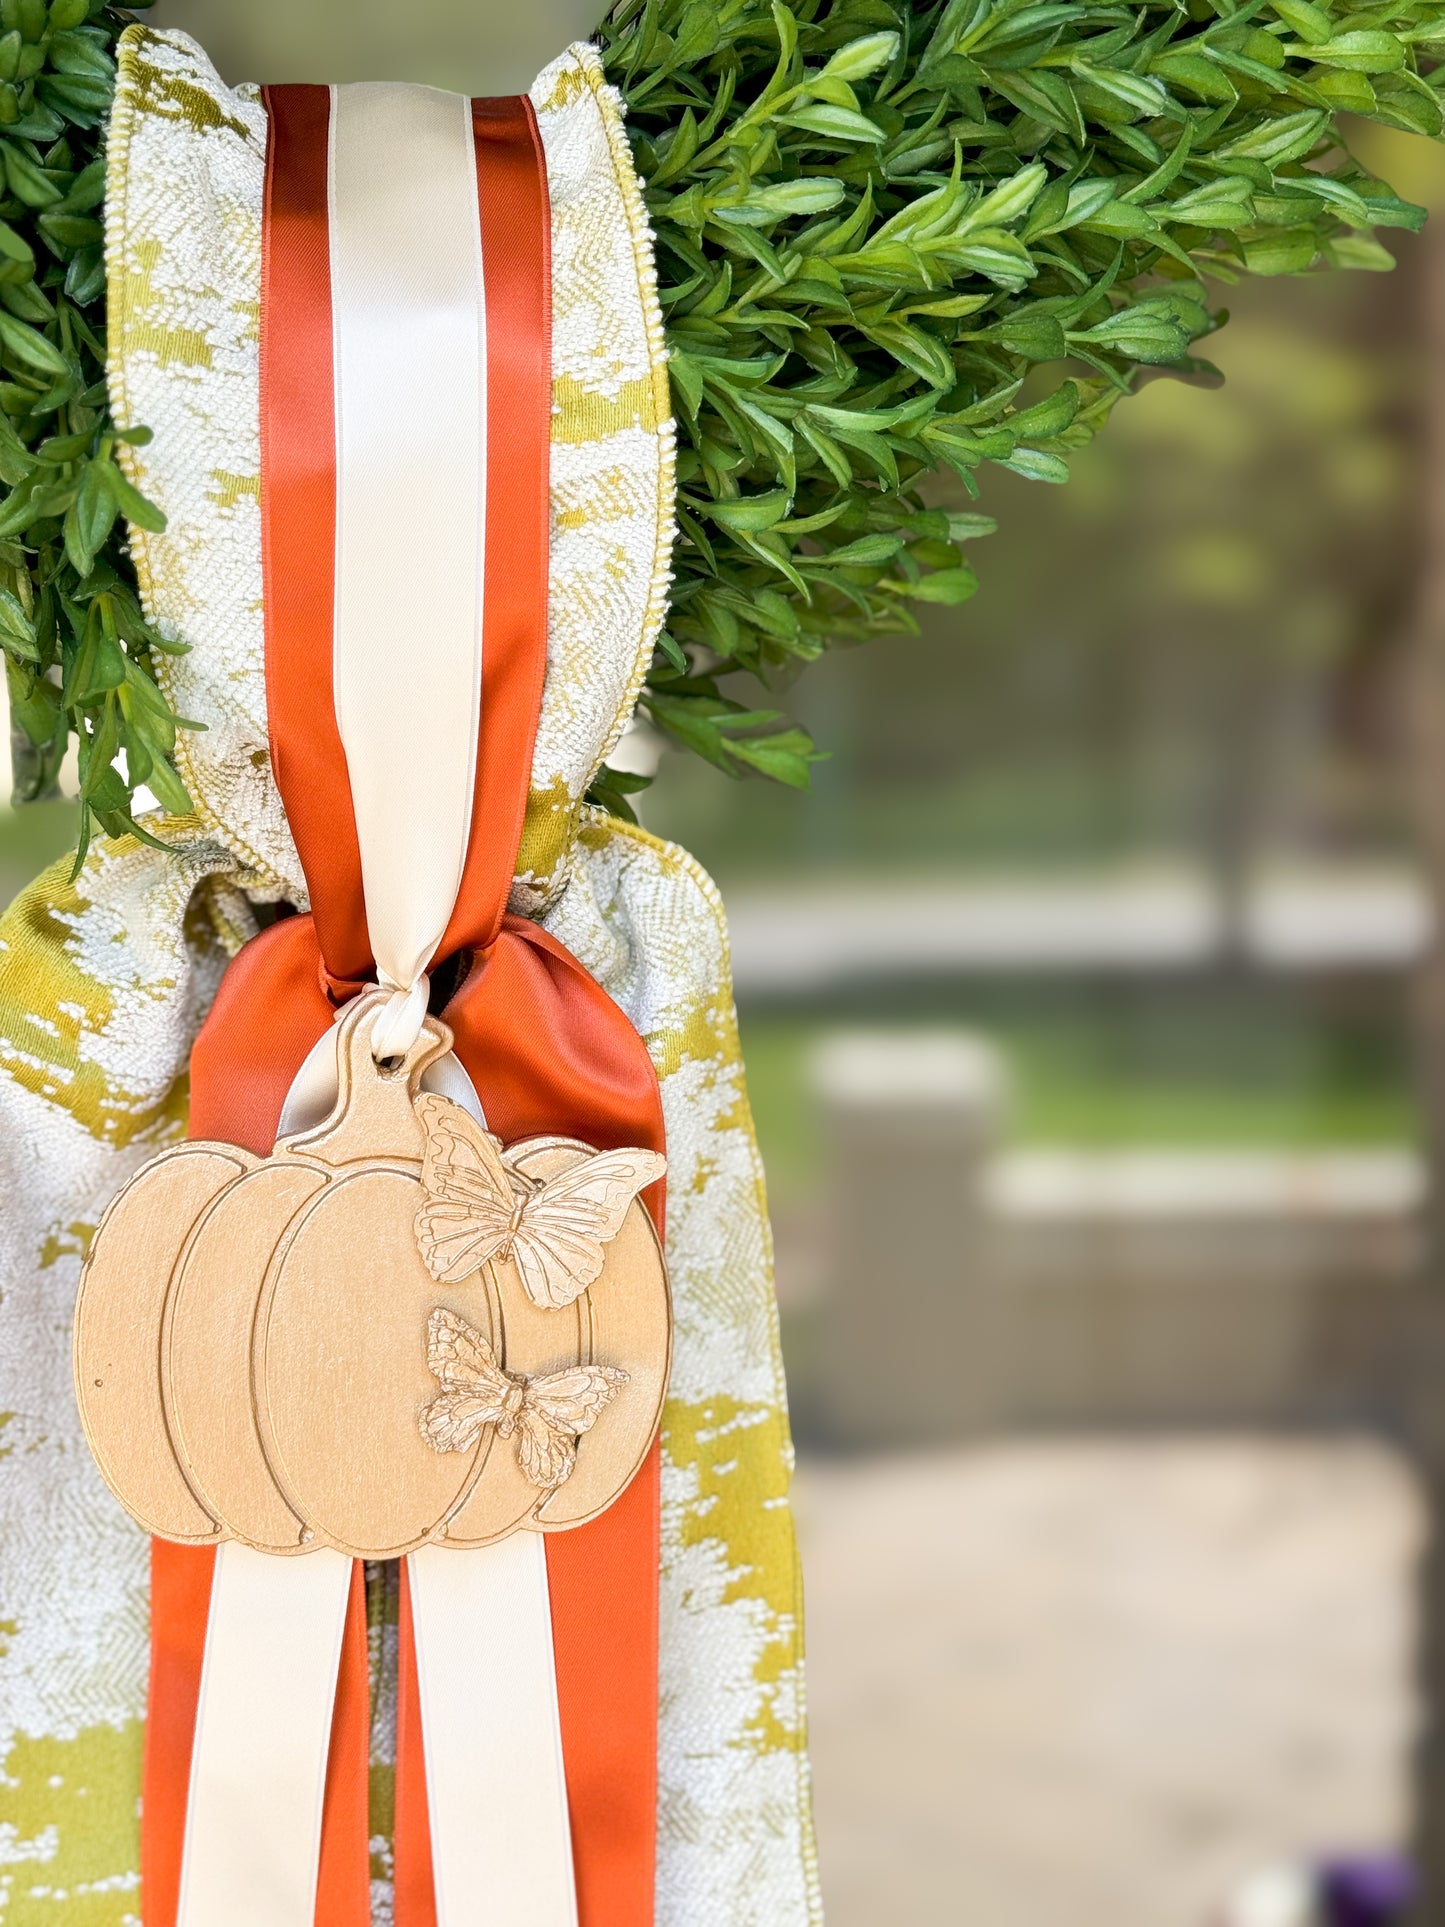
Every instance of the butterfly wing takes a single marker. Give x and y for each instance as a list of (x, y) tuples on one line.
[(460, 1357), (468, 1199), (556, 1410), (574, 1399), (566, 1223), (475, 1389), (454, 1421), (546, 1457)]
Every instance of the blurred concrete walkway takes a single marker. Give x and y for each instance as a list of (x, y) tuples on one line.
[(1091, 1684), (1157, 920)]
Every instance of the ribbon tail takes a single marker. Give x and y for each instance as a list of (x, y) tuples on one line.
[(491, 1740), (343, 1894), (263, 1738), (603, 1581), (414, 1903), (206, 1861), (181, 1579)]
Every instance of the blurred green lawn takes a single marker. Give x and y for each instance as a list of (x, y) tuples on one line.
[(1170, 1067), (30, 838)]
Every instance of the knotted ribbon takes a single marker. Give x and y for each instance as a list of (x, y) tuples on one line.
[(547, 1049)]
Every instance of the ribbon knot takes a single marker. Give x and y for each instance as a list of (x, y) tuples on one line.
[(401, 1019)]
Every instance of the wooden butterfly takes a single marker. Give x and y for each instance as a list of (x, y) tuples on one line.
[(476, 1206), (547, 1414)]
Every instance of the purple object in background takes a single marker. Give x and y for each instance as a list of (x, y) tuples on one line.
[(1366, 1893)]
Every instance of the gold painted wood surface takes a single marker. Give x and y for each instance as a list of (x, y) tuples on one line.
[(345, 1345), (341, 1373), (118, 1318), (206, 1353)]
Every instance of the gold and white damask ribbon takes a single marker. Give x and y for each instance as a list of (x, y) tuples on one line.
[(409, 322)]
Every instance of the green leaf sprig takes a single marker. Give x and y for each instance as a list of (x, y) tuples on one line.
[(77, 648), (896, 237)]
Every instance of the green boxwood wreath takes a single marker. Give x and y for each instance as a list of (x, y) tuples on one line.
[(876, 219)]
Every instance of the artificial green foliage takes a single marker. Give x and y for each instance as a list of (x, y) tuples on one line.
[(893, 238), (896, 238), (78, 650)]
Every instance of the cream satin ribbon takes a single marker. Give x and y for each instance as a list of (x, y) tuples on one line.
[(408, 303), (263, 1732), (501, 1837), (409, 319)]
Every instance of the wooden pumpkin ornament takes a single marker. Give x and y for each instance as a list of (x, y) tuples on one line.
[(389, 1333)]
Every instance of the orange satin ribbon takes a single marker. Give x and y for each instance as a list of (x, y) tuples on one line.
[(546, 1047)]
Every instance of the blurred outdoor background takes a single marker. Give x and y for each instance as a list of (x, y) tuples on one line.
[(1092, 1026), (1096, 1036)]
